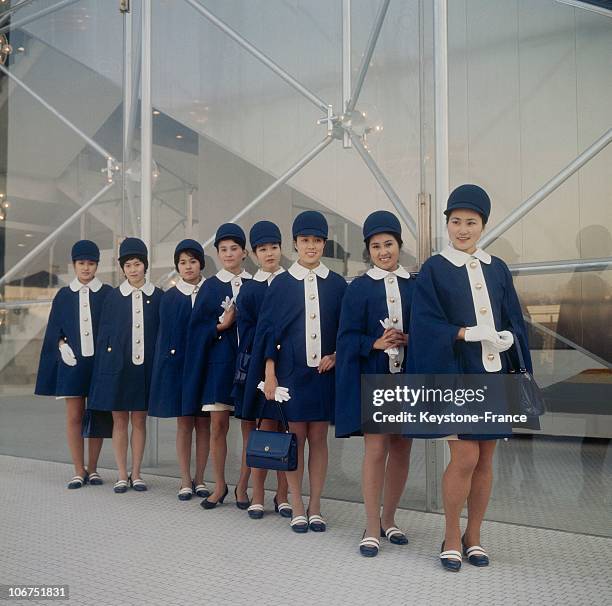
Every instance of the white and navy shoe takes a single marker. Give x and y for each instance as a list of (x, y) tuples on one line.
[(394, 535), (138, 485), (316, 523), (185, 493), (299, 524), (95, 479), (475, 554), (369, 546), (283, 509), (201, 490), (120, 486), (450, 559), (78, 481), (255, 511)]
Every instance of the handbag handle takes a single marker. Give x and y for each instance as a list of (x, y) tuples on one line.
[(282, 415), (519, 351)]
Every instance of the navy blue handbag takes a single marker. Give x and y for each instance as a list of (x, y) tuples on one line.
[(275, 450)]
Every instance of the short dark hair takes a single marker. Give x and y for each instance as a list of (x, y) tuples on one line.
[(482, 217), (142, 258), (395, 236), (233, 239), (192, 254)]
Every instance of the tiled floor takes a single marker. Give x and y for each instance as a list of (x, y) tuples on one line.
[(151, 549)]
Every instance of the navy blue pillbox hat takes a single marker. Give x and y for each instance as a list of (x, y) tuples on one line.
[(264, 232), (133, 247), (471, 197), (310, 223), (192, 245), (85, 250), (230, 230), (381, 222)]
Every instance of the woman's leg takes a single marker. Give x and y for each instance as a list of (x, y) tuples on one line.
[(317, 463), (184, 432), (373, 478), (259, 475), (219, 426), (396, 474), (295, 478), (456, 483), (202, 427), (75, 407), (120, 441), (245, 472), (94, 447), (139, 437), (480, 492)]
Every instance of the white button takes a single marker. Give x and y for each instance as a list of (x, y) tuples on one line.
[(138, 341), (278, 346), (473, 264), (392, 300), (86, 333), (109, 349), (312, 297), (85, 319), (396, 364), (483, 310), (391, 280), (137, 356), (84, 304), (237, 283), (310, 278), (478, 286), (220, 337), (313, 335), (394, 320), (138, 295), (173, 351), (148, 301), (314, 356), (137, 325), (138, 311), (313, 316), (490, 357)]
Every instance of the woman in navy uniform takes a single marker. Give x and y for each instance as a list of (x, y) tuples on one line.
[(215, 344), (382, 296), (166, 397), (463, 308), (122, 371), (295, 349), (67, 356), (265, 240)]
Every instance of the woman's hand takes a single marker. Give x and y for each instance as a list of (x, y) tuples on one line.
[(327, 363), (390, 338), (229, 317), (270, 382)]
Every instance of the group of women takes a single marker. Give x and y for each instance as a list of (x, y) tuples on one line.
[(242, 345)]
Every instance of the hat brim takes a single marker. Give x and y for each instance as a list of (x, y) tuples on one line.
[(85, 258), (386, 229), (464, 206), (311, 231), (265, 241)]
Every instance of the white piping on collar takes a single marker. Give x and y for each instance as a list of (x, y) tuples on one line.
[(460, 258), (94, 285), (228, 276), (186, 288), (299, 272), (376, 273), (127, 289)]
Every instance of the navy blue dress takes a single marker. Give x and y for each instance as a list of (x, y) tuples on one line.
[(171, 353), (248, 306), (443, 303), (55, 378), (126, 345), (209, 376), (363, 307), (281, 336)]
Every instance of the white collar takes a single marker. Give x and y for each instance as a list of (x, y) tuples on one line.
[(460, 258), (186, 288), (299, 272), (94, 285), (228, 276), (127, 289), (263, 276), (376, 273)]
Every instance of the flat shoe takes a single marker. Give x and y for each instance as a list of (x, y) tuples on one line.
[(78, 481), (475, 554), (138, 485), (394, 535), (256, 511), (185, 493), (369, 546), (120, 486), (316, 523), (201, 490), (283, 509), (299, 524), (95, 479), (450, 559)]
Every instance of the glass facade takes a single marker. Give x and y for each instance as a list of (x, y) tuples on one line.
[(240, 130)]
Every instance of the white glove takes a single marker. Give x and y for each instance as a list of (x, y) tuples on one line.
[(280, 395), (226, 304), (482, 332), (67, 354), (503, 341), (391, 351)]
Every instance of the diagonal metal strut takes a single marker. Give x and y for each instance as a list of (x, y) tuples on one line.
[(34, 16), (263, 58)]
